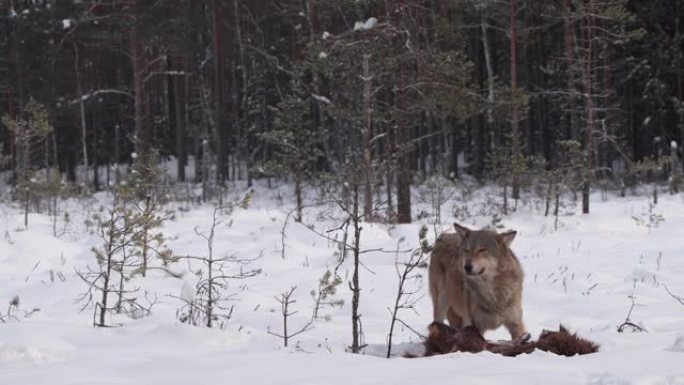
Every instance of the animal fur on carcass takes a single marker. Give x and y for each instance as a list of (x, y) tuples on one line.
[(443, 339)]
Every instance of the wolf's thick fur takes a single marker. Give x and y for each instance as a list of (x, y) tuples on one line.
[(475, 279)]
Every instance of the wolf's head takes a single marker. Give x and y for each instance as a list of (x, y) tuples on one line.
[(485, 253)]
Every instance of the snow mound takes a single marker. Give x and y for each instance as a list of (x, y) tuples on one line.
[(20, 355), (606, 379), (678, 345)]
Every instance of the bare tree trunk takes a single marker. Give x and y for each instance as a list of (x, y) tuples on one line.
[(404, 169), (312, 21), (210, 290), (81, 105), (55, 159), (117, 152), (285, 302), (515, 140), (180, 101), (142, 132), (23, 164), (285, 306), (27, 205), (588, 36), (367, 161), (219, 93), (390, 149), (105, 285), (206, 165), (570, 59), (95, 165), (298, 190), (242, 128), (680, 85), (355, 288), (490, 83)]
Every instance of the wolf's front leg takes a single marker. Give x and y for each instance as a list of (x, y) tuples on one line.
[(517, 330), (440, 306), (455, 319)]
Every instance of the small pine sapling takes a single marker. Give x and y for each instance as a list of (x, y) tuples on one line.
[(295, 140), (436, 191), (286, 301), (150, 215), (407, 298), (148, 194), (117, 232), (208, 306), (30, 131), (516, 171), (650, 218), (567, 175), (348, 201), (327, 287)]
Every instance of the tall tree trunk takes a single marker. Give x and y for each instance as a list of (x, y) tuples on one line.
[(96, 122), (588, 26), (404, 169), (680, 86), (171, 103), (367, 161), (604, 153), (515, 139), (117, 153), (142, 131), (390, 150), (490, 82), (313, 22), (180, 101), (221, 133), (241, 127), (81, 105)]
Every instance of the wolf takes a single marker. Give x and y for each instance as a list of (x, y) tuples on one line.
[(476, 280)]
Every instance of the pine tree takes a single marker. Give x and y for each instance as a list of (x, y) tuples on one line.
[(295, 139), (30, 131)]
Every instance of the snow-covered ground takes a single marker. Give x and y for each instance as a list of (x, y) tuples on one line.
[(582, 275)]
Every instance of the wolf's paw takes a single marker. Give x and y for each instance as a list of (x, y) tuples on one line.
[(522, 339)]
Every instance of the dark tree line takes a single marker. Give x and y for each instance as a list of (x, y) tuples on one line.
[(398, 89)]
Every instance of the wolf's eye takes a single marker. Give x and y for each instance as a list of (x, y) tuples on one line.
[(480, 251)]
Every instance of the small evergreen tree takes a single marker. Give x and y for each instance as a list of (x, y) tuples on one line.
[(30, 130), (296, 141), (147, 193), (117, 232)]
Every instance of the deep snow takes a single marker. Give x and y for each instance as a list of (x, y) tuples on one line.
[(581, 275)]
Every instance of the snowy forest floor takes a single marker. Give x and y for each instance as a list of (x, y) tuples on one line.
[(583, 275)]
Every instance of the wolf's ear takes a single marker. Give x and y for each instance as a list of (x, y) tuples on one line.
[(462, 231), (507, 237)]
